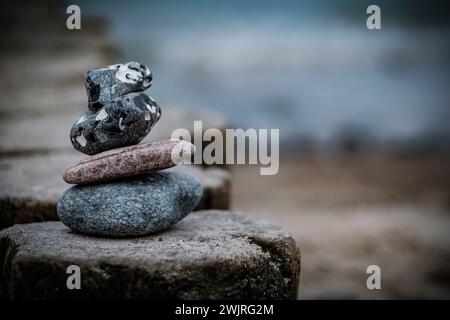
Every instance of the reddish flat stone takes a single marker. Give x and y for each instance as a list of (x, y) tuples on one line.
[(129, 161)]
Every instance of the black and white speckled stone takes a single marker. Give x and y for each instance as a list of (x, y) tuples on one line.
[(124, 121), (130, 207), (106, 84)]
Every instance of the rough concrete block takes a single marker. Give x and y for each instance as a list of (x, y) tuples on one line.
[(211, 254)]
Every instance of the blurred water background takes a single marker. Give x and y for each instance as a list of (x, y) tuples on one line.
[(310, 68)]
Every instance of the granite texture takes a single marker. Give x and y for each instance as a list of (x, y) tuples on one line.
[(123, 121), (106, 84), (209, 255), (132, 206), (129, 161)]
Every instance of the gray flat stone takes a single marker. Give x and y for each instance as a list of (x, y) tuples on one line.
[(31, 186), (211, 254), (106, 84), (133, 206)]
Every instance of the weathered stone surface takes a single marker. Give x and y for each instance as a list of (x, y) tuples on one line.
[(111, 82), (211, 255), (129, 161), (29, 133), (31, 186), (123, 121), (132, 206)]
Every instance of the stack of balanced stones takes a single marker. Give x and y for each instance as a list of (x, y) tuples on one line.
[(120, 189)]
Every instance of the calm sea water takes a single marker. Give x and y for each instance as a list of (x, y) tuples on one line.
[(311, 69)]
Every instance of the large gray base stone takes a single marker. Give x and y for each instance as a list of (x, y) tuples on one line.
[(209, 255)]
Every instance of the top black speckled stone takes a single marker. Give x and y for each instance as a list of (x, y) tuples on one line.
[(106, 84)]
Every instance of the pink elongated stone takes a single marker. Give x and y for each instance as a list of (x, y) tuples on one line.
[(129, 161)]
